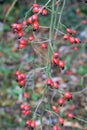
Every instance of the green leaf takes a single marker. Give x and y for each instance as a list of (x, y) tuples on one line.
[(35, 96)]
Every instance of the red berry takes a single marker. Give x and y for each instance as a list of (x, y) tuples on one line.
[(35, 25), (61, 120), (60, 101), (28, 122), (56, 55), (66, 37), (35, 5), (19, 27), (35, 10), (22, 42), (13, 26), (33, 124), (77, 40), (30, 20), (72, 40), (54, 108), (20, 34), (84, 22), (21, 83), (78, 11), (55, 85), (68, 30), (55, 61), (55, 127), (43, 45), (26, 95), (30, 38), (35, 17), (21, 46), (61, 64), (17, 73), (49, 82), (70, 115), (67, 95), (44, 12)]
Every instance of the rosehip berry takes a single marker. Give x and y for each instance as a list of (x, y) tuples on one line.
[(54, 108), (61, 120), (68, 30), (13, 26), (78, 11), (21, 83), (70, 115), (84, 22), (61, 64), (28, 122), (25, 95), (35, 25), (35, 10), (20, 34), (35, 17), (56, 55), (66, 37), (30, 20), (60, 101), (22, 42), (30, 38), (55, 127), (17, 73), (55, 85), (21, 46), (33, 124), (55, 61), (19, 27), (43, 45), (67, 95), (35, 5), (44, 12), (49, 82), (77, 40), (72, 40)]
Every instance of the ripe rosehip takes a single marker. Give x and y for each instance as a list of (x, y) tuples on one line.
[(55, 127), (22, 42), (61, 120), (33, 124), (21, 46), (60, 101), (84, 22), (72, 40), (13, 26), (30, 38), (17, 73), (30, 20), (35, 17), (44, 12), (68, 30), (56, 55), (77, 40), (66, 37), (43, 45), (55, 85), (70, 115), (55, 61), (35, 25), (21, 83), (49, 82), (78, 11), (19, 27), (28, 122), (67, 95), (54, 108), (20, 34), (25, 95), (61, 64), (35, 10), (35, 5)]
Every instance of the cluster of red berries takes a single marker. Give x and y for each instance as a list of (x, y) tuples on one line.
[(33, 21), (56, 61), (50, 83), (70, 38), (25, 109), (31, 124), (20, 78)]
